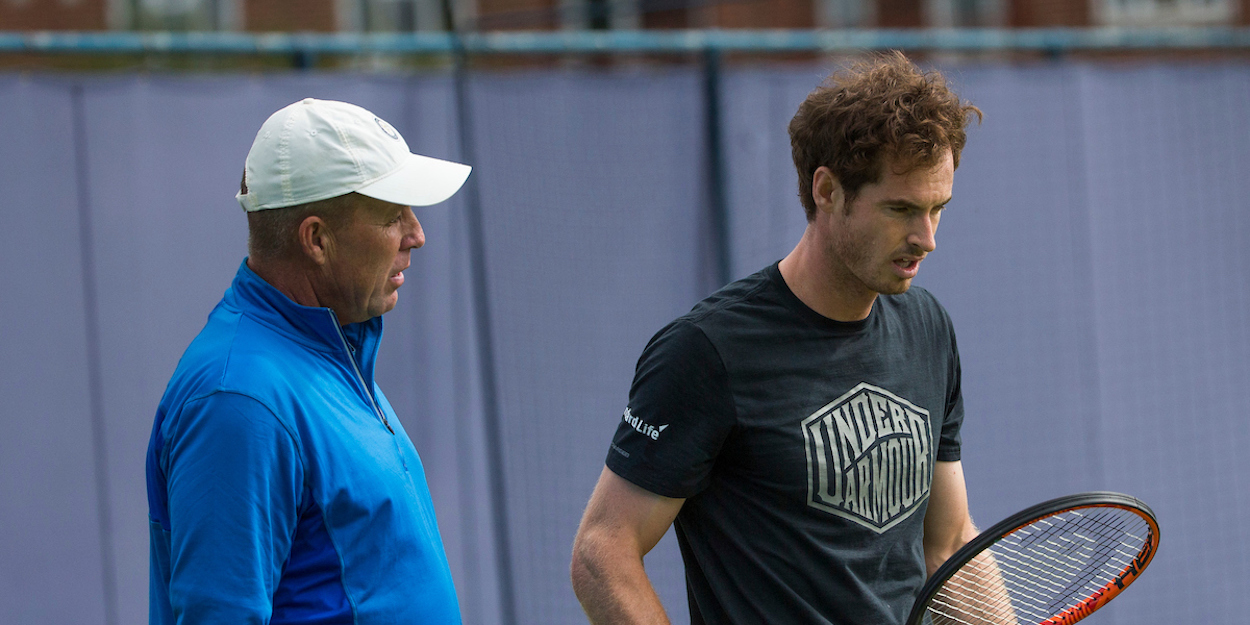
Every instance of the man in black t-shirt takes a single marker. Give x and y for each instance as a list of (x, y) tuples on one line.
[(800, 427)]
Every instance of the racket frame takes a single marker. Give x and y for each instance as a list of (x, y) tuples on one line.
[(1035, 513)]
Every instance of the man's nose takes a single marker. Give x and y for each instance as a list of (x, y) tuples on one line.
[(924, 233), (414, 236)]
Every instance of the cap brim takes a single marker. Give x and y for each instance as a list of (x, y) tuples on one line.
[(420, 181)]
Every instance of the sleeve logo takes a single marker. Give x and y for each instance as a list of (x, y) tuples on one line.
[(869, 457), (646, 429)]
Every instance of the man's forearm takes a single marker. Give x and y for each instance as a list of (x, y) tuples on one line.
[(614, 589)]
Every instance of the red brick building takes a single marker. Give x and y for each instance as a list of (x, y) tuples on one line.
[(404, 15), (53, 15)]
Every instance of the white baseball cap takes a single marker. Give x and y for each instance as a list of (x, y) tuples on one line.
[(318, 149)]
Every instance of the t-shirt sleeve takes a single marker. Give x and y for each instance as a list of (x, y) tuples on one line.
[(953, 419), (234, 479), (680, 412)]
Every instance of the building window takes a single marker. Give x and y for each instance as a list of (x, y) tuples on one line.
[(182, 14), (1165, 12), (846, 13), (965, 13)]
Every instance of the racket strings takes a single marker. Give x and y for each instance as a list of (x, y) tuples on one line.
[(1060, 562), (1059, 559), (1043, 573), (1042, 569)]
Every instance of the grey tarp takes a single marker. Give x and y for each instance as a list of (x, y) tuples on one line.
[(1093, 260)]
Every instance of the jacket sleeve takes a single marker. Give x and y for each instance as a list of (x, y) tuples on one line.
[(234, 477)]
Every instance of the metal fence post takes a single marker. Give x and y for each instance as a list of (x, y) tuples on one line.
[(718, 208)]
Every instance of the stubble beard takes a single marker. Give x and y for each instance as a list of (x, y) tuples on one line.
[(857, 271)]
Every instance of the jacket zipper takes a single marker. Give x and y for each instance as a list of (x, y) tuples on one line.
[(351, 355)]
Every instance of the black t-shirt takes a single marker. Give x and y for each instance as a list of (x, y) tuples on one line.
[(804, 448)]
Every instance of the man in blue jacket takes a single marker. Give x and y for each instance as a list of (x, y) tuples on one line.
[(281, 486)]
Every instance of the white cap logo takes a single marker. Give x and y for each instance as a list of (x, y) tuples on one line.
[(386, 128)]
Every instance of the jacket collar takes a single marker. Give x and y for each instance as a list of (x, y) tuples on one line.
[(315, 327)]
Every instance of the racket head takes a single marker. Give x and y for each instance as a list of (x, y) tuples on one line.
[(1057, 562)]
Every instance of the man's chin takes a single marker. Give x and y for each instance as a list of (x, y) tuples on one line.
[(895, 287), (388, 304)]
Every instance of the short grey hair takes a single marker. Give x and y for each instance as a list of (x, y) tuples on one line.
[(273, 234)]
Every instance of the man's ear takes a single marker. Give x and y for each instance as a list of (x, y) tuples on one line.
[(827, 191), (315, 240)]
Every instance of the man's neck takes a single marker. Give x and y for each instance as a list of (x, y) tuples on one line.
[(822, 283), (289, 280)]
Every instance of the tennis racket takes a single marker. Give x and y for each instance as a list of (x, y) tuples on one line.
[(1052, 564)]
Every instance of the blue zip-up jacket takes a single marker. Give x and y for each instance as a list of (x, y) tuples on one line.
[(281, 486)]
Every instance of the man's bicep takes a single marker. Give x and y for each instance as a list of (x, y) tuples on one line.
[(622, 523), (947, 523), (234, 481), (628, 513)]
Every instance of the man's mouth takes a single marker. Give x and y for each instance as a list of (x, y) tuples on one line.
[(908, 266), (397, 278)]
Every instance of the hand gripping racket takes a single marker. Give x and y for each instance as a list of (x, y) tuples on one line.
[(1052, 564)]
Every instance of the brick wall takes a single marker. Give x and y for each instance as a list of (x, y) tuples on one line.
[(900, 14), (1036, 13), (52, 15), (765, 14), (517, 14), (289, 15)]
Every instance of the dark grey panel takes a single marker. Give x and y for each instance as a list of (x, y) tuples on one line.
[(1092, 261), (428, 364), (165, 161), (1077, 323), (166, 158), (50, 551), (766, 218), (1168, 157), (592, 187), (1012, 269), (1008, 266)]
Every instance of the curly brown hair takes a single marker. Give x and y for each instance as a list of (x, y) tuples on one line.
[(880, 109)]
